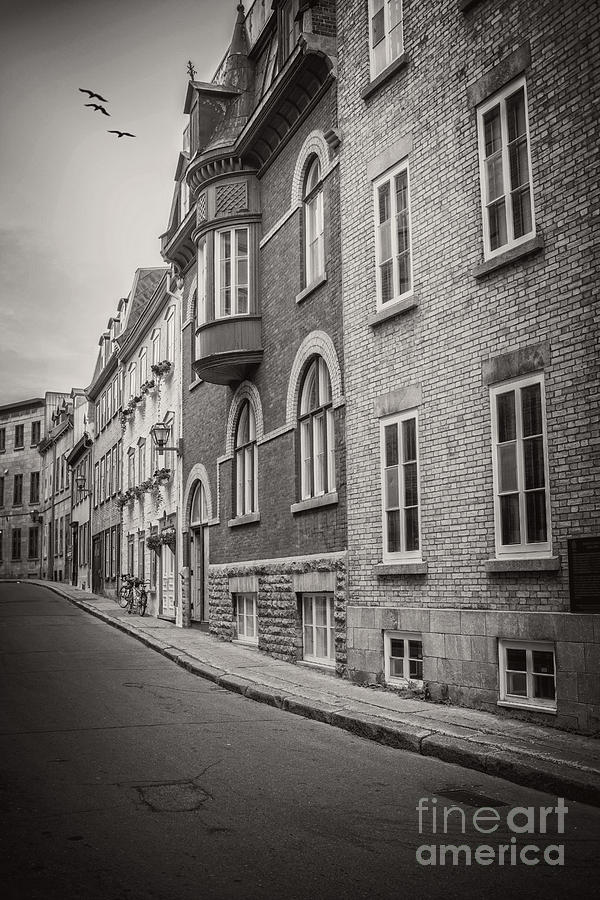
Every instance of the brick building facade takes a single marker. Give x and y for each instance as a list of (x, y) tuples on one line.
[(254, 235), (469, 173)]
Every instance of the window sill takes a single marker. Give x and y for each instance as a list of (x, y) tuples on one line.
[(308, 290), (244, 520), (249, 645), (509, 256), (529, 707), (323, 500), (528, 564), (195, 384), (166, 618), (394, 309), (328, 665), (418, 567), (396, 66)]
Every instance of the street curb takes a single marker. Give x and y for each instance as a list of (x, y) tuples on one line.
[(526, 769)]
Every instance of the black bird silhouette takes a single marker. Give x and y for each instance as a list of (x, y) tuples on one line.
[(92, 95), (121, 134), (101, 108)]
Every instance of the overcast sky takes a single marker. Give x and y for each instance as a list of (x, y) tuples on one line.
[(81, 209)]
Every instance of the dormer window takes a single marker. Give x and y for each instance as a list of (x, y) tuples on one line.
[(289, 30)]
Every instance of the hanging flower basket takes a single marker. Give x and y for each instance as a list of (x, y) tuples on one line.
[(154, 542), (162, 368), (124, 498), (147, 386), (168, 536), (161, 476)]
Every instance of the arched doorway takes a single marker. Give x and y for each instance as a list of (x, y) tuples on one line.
[(199, 556)]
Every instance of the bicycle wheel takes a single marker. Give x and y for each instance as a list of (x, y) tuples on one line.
[(143, 603), (124, 596)]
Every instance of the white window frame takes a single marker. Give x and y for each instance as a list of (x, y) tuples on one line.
[(246, 466), (317, 438), (397, 420), (540, 704), (155, 341), (201, 309), (289, 28), (143, 365), (234, 285), (170, 334), (314, 226), (243, 602), (523, 549), (141, 460), (389, 38), (500, 99), (389, 178), (131, 467), (184, 200), (406, 636), (310, 597), (132, 380)]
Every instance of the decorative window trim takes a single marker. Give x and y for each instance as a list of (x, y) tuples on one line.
[(399, 296), (317, 343), (246, 391), (399, 556), (523, 550), (499, 100), (407, 637), (314, 145), (198, 473), (316, 432), (314, 222), (530, 702)]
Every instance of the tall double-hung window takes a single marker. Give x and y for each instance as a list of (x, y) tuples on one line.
[(393, 236), (232, 272), (400, 485), (170, 334), (505, 170), (313, 223), (385, 33), (520, 464), (245, 462), (317, 432)]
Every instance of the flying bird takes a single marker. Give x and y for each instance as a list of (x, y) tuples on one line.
[(101, 108), (92, 95), (121, 134)]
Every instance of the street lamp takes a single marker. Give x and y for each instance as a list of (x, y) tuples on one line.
[(81, 482), (160, 435)]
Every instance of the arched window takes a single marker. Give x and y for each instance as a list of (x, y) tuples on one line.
[(245, 462), (314, 257), (199, 509), (317, 435)]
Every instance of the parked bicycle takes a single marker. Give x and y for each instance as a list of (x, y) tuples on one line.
[(133, 596)]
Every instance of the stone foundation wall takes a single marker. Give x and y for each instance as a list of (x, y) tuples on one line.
[(460, 657), (278, 611)]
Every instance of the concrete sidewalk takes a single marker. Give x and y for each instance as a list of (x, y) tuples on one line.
[(562, 764)]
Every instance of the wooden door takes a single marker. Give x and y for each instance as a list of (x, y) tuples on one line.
[(199, 574), (167, 580), (97, 564)]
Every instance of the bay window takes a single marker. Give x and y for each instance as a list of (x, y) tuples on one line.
[(231, 272)]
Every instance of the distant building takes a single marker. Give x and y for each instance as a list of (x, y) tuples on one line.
[(22, 426), (470, 176), (55, 507), (80, 463), (255, 236)]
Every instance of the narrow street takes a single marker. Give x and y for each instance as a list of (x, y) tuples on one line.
[(124, 777)]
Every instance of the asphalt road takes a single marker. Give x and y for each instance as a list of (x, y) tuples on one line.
[(123, 777)]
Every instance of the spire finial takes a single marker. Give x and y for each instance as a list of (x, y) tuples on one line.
[(191, 70)]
